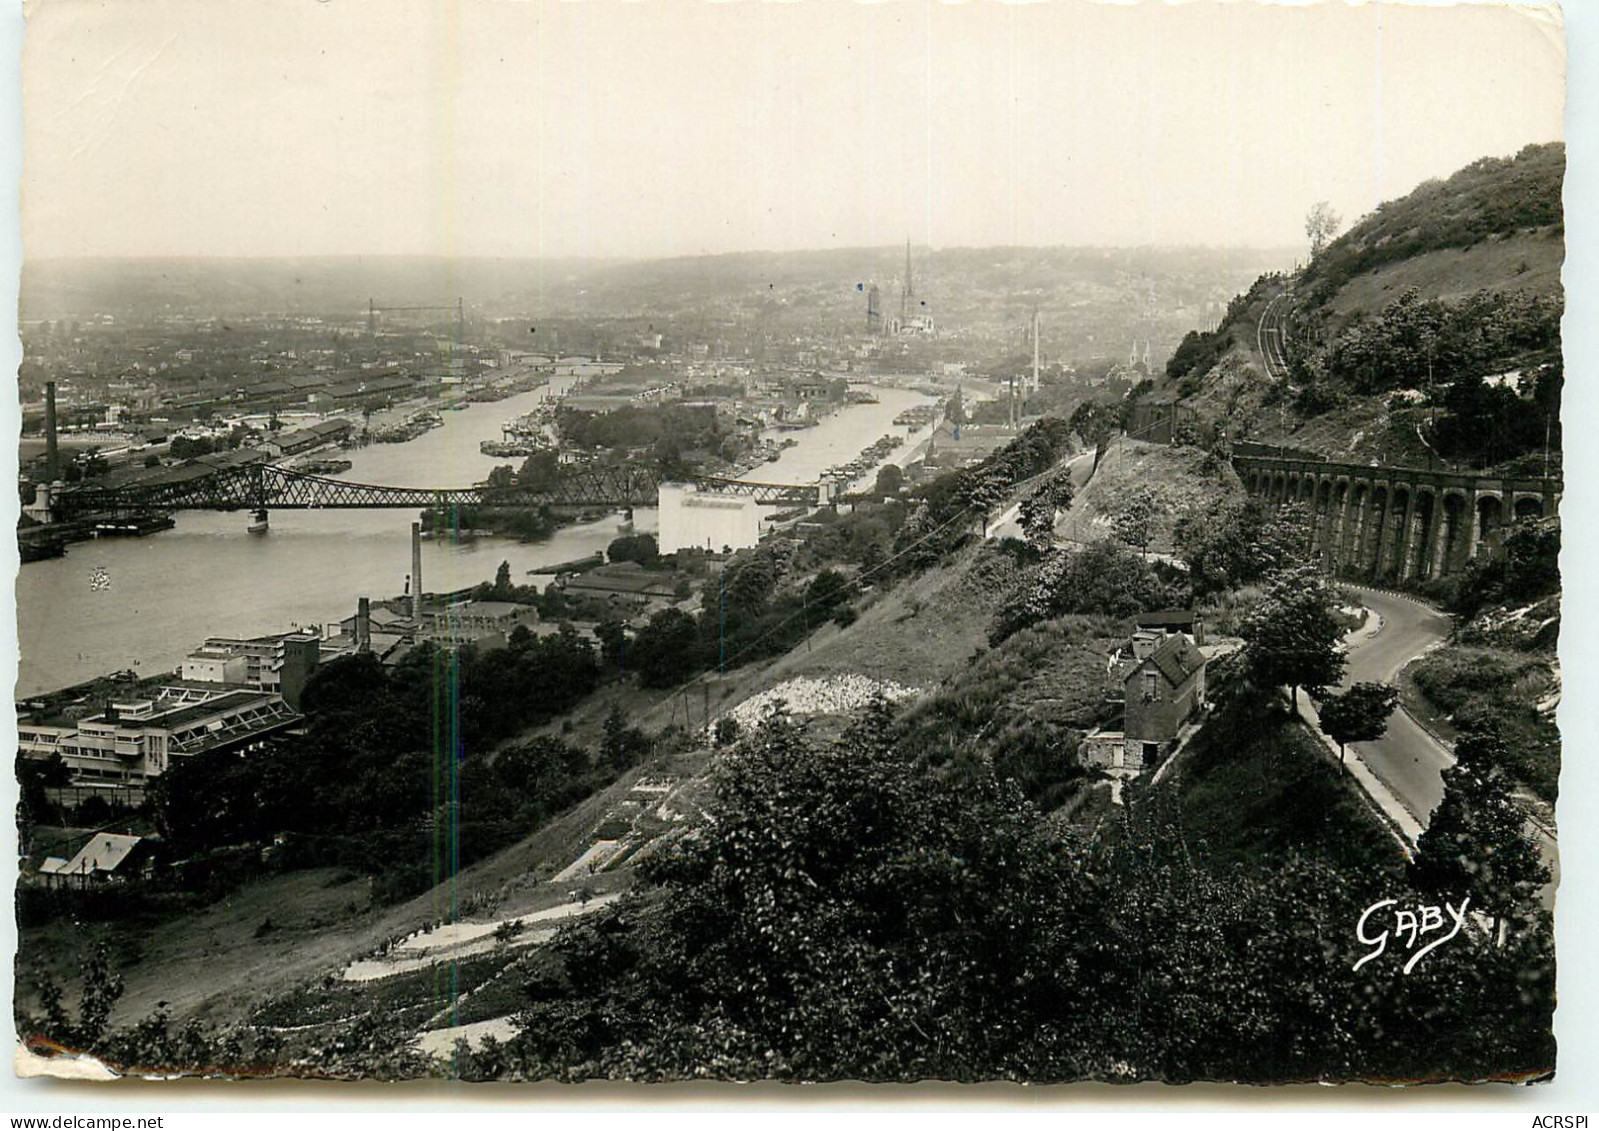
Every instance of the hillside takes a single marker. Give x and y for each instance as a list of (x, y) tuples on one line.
[(1174, 480), (1489, 200), (1427, 334)]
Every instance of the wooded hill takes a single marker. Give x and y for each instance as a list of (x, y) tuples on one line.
[(1429, 331)]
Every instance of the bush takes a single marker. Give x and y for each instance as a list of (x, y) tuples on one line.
[(1103, 578)]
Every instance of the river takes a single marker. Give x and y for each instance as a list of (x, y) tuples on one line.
[(208, 577)]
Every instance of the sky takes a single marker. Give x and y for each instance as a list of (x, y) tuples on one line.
[(537, 128)]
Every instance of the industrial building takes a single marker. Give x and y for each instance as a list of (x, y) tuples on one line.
[(281, 663), (129, 742)]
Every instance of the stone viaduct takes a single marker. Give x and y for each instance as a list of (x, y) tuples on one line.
[(1392, 523)]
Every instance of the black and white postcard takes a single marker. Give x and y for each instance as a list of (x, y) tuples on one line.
[(790, 542)]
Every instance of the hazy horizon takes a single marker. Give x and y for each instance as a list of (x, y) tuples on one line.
[(293, 129), (201, 257)]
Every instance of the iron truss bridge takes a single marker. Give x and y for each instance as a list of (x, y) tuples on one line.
[(263, 487)]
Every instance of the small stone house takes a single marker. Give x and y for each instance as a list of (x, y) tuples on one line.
[(1164, 689), (1161, 687)]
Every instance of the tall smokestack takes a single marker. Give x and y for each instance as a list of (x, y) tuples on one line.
[(1035, 351), (52, 456), (363, 625), (416, 573)]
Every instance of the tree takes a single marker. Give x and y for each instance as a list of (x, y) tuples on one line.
[(1095, 423), (502, 582), (890, 478), (1477, 842), (1292, 636), (841, 917), (540, 471), (612, 635), (1103, 578), (981, 489), (748, 585), (726, 730), (1321, 225), (98, 997), (1358, 715), (186, 447), (955, 409), (1220, 543), (1287, 538), (826, 591), (640, 548), (1133, 520), (622, 746), (665, 650), (1040, 507)]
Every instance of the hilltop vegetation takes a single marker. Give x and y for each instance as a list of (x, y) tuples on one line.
[(1430, 330), (1489, 199)]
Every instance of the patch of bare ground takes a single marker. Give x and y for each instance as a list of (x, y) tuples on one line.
[(1180, 478)]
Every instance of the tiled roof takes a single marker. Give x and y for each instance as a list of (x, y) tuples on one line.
[(1176, 659)]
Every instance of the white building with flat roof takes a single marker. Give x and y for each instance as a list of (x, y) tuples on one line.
[(706, 520)]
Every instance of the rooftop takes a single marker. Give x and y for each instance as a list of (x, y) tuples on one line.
[(1166, 618), (191, 713), (1176, 659)]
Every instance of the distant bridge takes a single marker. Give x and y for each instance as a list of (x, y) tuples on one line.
[(1400, 523), (262, 487)]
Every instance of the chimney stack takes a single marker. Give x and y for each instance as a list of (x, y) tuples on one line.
[(52, 457), (363, 625), (416, 573)]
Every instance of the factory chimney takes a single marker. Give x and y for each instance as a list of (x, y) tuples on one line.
[(52, 456), (1035, 350), (416, 573), (363, 625)]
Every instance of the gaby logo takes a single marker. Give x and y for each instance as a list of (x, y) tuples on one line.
[(1412, 926)]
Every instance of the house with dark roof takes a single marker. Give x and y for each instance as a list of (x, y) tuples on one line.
[(1164, 689), (1170, 621), (1160, 687)]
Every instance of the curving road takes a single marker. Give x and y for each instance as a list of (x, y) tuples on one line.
[(1007, 526), (1408, 760)]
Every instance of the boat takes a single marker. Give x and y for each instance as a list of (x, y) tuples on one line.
[(501, 448), (133, 526), (34, 546), (324, 466), (576, 565)]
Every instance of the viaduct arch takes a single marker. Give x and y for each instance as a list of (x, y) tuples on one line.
[(1393, 523)]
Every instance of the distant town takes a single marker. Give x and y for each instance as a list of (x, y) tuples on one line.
[(134, 406)]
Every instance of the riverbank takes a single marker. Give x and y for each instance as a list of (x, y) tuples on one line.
[(145, 603)]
